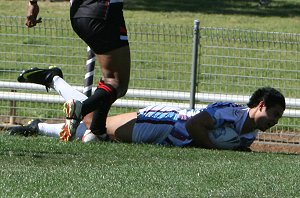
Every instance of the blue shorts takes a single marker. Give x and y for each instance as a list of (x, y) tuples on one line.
[(151, 133), (159, 125)]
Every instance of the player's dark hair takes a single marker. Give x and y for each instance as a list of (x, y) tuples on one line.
[(269, 95)]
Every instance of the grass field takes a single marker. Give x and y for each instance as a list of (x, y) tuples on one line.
[(44, 167)]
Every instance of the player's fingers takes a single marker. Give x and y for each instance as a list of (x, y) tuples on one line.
[(27, 23), (39, 20), (31, 21), (30, 24)]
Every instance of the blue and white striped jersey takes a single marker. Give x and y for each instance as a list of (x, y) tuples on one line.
[(166, 125)]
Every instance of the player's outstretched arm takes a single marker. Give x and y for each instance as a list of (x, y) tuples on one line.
[(32, 13), (198, 127)]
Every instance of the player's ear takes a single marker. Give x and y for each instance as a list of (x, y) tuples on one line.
[(261, 104)]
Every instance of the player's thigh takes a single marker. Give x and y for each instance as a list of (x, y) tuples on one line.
[(116, 64), (120, 127)]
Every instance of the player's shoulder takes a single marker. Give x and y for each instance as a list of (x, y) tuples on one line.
[(226, 112), (229, 107), (224, 105)]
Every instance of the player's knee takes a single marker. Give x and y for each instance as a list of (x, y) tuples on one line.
[(120, 89)]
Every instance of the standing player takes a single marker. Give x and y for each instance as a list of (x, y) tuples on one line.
[(171, 125), (100, 23)]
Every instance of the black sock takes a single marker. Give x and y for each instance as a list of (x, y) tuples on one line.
[(99, 103)]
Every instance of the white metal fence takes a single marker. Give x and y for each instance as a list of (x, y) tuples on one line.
[(231, 64)]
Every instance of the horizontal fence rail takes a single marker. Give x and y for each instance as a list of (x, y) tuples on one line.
[(136, 93)]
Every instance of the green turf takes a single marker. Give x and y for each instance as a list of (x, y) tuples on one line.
[(44, 167)]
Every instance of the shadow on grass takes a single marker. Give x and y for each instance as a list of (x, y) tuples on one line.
[(288, 8), (281, 8)]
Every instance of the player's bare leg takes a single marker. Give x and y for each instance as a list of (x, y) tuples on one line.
[(115, 67)]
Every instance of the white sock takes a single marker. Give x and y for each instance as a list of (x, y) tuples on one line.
[(53, 130), (66, 90), (50, 130)]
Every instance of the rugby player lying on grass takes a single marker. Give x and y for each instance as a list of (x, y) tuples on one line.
[(170, 125)]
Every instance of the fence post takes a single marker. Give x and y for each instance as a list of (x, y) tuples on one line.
[(13, 111), (90, 70), (194, 63)]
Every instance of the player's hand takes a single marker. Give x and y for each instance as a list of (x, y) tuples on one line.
[(32, 13)]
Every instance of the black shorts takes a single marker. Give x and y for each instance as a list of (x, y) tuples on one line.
[(102, 33)]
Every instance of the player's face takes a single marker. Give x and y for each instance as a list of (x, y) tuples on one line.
[(267, 118)]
